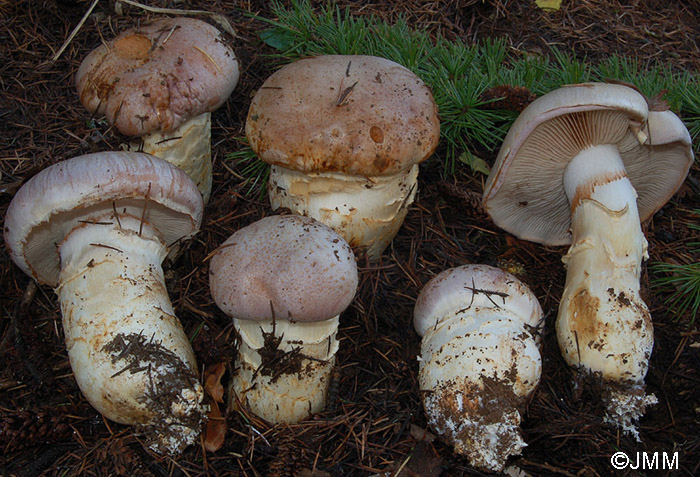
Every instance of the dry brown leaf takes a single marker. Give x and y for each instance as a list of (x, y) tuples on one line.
[(212, 381), (215, 433)]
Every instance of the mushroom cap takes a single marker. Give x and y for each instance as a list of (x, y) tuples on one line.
[(361, 115), (473, 287), (50, 204), (524, 193), (284, 267), (157, 76)]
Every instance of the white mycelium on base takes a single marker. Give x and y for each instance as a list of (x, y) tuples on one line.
[(128, 351), (603, 325), (582, 166), (479, 361)]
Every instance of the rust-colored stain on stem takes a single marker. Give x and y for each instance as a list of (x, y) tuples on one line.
[(583, 310)]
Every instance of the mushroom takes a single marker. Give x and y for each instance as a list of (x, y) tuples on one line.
[(344, 135), (284, 280), (160, 82), (479, 361), (583, 165), (96, 228)]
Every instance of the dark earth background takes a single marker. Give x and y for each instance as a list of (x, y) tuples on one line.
[(375, 422)]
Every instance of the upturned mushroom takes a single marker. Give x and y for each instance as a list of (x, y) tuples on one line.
[(160, 82), (344, 135), (583, 165), (479, 361), (284, 280), (96, 228)]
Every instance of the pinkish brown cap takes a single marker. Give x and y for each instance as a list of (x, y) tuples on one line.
[(361, 115), (58, 198), (289, 265), (524, 193), (157, 76)]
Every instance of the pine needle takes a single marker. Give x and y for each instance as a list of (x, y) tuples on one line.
[(680, 283)]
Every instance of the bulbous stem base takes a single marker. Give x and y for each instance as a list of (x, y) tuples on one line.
[(129, 353), (603, 326), (476, 372)]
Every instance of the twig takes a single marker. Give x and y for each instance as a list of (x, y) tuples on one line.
[(344, 93), (219, 19), (74, 32), (488, 294), (116, 215), (145, 206), (106, 246)]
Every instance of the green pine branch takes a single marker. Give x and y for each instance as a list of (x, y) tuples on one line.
[(459, 73), (680, 283)]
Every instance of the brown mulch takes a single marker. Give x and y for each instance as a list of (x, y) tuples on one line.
[(374, 423)]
